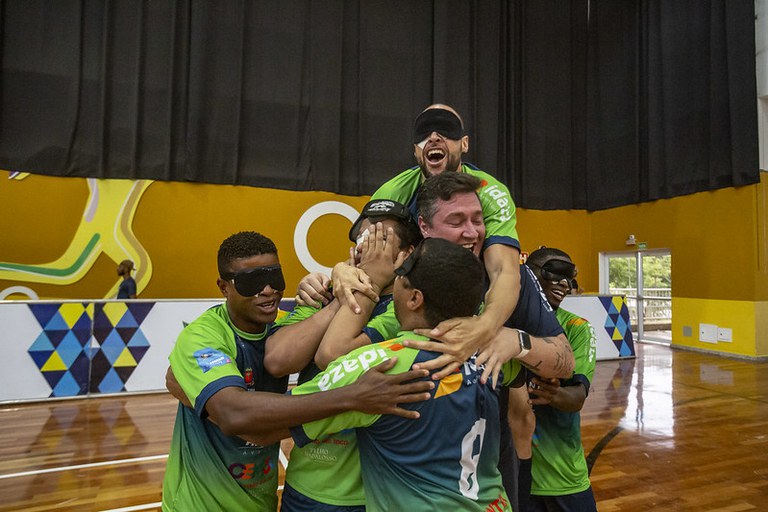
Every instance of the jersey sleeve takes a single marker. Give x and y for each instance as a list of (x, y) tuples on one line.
[(339, 373), (499, 211), (383, 326), (342, 372), (204, 362), (298, 314), (581, 336), (401, 188)]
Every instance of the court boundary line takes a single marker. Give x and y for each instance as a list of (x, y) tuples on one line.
[(148, 458)]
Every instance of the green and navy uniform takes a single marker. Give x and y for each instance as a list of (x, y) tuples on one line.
[(445, 460), (325, 474), (499, 213), (535, 316), (559, 467), (207, 470)]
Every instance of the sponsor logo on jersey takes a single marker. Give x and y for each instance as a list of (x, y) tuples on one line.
[(362, 362), (500, 504), (248, 471), (501, 198), (248, 378), (208, 358), (320, 454)]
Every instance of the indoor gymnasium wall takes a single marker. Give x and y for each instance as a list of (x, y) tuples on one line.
[(63, 237), (52, 245), (719, 251)]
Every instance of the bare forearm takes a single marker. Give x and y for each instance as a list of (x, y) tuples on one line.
[(257, 414), (344, 332), (549, 356), (292, 347)]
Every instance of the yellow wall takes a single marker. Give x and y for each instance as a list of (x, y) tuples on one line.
[(719, 246), (718, 242), (188, 236), (737, 315), (568, 230), (178, 225)]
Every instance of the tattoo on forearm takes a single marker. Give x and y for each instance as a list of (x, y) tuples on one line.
[(563, 363)]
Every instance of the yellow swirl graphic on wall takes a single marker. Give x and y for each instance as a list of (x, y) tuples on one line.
[(105, 227)]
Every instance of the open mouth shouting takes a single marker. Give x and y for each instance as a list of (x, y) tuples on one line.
[(434, 157)]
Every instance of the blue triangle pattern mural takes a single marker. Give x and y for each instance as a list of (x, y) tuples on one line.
[(617, 324), (63, 350), (44, 312), (82, 328), (118, 324), (58, 352), (140, 310), (56, 323), (127, 320)]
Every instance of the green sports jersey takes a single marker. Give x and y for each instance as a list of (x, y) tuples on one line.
[(383, 325), (559, 466), (207, 470), (446, 460), (299, 313), (499, 211), (328, 469)]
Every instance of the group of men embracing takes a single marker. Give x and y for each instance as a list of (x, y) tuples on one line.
[(420, 359)]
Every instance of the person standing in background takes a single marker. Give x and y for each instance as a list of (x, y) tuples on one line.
[(127, 288)]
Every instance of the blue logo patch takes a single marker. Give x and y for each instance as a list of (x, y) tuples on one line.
[(208, 358)]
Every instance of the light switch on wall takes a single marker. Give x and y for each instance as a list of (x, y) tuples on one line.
[(708, 333), (724, 334)]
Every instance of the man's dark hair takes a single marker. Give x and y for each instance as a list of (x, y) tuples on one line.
[(449, 276), (543, 254), (243, 245), (408, 231), (443, 186)]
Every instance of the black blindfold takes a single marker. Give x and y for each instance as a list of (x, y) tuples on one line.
[(252, 282), (439, 120)]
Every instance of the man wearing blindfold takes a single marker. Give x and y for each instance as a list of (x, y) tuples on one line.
[(218, 371), (439, 142), (333, 482), (450, 209), (560, 477), (445, 460)]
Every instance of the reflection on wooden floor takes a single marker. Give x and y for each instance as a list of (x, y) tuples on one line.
[(670, 430)]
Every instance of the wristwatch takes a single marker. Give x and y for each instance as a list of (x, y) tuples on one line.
[(525, 344)]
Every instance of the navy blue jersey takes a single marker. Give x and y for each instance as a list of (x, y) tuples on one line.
[(533, 313), (445, 460)]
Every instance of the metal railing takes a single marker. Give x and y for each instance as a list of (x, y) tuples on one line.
[(657, 306)]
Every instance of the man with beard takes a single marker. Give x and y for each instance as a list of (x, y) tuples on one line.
[(127, 288), (439, 141)]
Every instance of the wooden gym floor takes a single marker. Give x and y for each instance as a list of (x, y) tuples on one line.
[(669, 430)]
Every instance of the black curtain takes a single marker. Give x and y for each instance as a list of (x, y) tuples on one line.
[(574, 104)]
